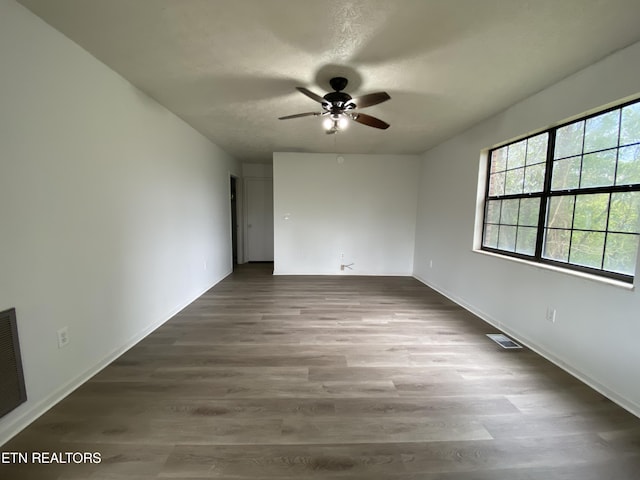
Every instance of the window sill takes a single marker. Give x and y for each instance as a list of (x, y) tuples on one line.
[(565, 271)]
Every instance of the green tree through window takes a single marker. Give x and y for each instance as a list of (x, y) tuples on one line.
[(569, 196)]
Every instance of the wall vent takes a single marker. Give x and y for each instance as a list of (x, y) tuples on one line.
[(12, 390), (504, 341)]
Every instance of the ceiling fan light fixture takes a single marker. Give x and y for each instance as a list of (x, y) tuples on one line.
[(335, 122)]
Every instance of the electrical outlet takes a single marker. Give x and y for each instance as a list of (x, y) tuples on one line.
[(63, 337), (342, 267), (551, 315)]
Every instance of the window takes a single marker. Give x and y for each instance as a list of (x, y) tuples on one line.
[(569, 196)]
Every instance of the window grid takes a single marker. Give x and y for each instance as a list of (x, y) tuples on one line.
[(596, 252)]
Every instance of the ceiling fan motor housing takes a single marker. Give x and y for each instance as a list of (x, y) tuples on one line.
[(336, 99)]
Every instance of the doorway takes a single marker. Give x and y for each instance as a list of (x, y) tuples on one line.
[(258, 196), (234, 220)]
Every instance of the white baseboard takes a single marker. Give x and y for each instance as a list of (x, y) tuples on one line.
[(32, 412), (623, 402), (342, 274)]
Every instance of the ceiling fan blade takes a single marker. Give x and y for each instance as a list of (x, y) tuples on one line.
[(370, 99), (298, 115), (310, 94), (369, 120)]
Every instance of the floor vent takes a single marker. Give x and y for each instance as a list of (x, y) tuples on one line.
[(11, 376), (502, 340)]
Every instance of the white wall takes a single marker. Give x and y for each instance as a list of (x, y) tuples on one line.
[(363, 207), (110, 209), (598, 326)]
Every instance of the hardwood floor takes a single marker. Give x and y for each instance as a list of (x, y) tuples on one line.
[(331, 377)]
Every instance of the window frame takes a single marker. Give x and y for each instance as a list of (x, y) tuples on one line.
[(547, 194)]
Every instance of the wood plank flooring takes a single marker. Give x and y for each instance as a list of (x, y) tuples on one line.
[(346, 378)]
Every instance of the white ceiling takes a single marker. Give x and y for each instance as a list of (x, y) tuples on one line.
[(229, 68)]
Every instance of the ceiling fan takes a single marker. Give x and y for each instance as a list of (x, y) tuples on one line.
[(338, 107)]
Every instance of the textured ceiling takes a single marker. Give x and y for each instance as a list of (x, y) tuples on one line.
[(229, 68)]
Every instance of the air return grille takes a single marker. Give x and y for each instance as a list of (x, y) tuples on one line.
[(12, 391), (503, 340)]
